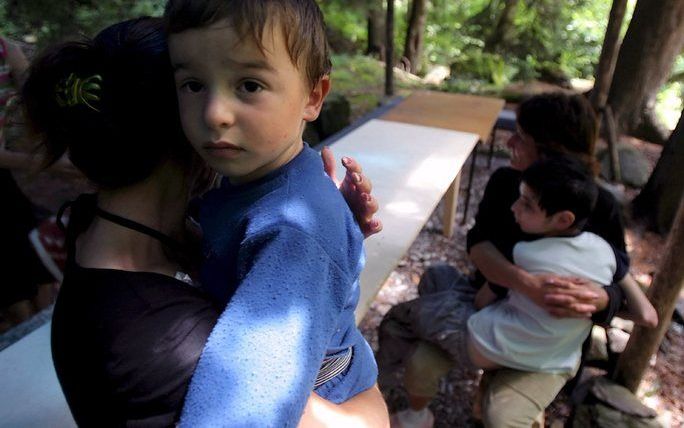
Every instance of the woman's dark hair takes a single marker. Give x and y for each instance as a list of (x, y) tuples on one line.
[(563, 183), (560, 124), (131, 124)]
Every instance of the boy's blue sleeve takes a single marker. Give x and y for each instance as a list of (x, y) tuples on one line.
[(260, 362)]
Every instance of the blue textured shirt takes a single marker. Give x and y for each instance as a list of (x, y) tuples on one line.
[(286, 252)]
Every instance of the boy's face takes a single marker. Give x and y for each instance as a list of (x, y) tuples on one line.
[(533, 219), (242, 109)]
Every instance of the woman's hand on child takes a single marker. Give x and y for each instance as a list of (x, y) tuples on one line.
[(356, 189), (566, 297)]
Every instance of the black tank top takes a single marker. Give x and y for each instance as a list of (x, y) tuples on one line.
[(125, 344)]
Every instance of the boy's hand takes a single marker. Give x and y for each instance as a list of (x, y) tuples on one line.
[(356, 190)]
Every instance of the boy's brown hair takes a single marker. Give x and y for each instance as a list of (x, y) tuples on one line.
[(300, 20)]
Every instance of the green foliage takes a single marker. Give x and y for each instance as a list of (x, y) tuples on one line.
[(486, 67), (361, 80), (348, 20), (47, 21), (563, 36)]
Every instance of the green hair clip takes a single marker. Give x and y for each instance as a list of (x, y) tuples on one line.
[(74, 91)]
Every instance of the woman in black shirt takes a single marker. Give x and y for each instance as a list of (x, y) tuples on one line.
[(129, 325), (548, 125)]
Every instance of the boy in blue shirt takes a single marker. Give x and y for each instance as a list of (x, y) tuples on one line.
[(280, 242)]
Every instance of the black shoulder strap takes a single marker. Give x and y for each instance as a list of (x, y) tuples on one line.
[(84, 209), (141, 228)]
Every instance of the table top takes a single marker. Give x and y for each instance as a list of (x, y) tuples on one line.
[(458, 112), (411, 167)]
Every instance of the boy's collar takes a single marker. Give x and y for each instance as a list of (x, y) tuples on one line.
[(226, 184)]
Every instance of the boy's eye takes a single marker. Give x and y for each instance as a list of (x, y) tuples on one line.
[(192, 87), (250, 87)]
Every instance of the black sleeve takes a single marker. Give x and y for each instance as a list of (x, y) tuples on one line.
[(494, 220), (606, 221), (615, 298), (622, 265)]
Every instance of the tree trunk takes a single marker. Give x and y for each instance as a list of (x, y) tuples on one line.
[(612, 140), (658, 201), (654, 39), (606, 64), (389, 50), (413, 47), (664, 292), (503, 26), (376, 31)]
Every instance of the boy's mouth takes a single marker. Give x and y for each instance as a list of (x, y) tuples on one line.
[(223, 149)]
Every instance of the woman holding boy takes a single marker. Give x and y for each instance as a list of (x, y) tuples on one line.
[(548, 125), (129, 326)]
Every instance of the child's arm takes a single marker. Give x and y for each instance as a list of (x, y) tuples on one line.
[(639, 308), (484, 297), (260, 362)]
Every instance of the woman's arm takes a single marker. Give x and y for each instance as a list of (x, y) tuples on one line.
[(366, 409), (562, 297)]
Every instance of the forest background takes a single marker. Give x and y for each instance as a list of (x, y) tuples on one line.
[(487, 44)]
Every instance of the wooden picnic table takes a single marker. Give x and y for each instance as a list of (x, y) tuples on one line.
[(412, 167), (466, 113), (458, 112)]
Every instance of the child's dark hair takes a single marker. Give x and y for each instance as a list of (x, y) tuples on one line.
[(562, 183), (560, 124), (109, 103), (300, 20)]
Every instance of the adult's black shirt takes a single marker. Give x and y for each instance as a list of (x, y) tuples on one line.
[(495, 222), (125, 344)]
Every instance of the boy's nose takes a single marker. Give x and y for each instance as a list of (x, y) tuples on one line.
[(219, 112)]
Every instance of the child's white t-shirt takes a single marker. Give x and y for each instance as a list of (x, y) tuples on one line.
[(516, 333)]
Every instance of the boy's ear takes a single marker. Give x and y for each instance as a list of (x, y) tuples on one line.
[(564, 219), (316, 98)]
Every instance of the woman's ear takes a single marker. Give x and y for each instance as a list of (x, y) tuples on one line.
[(316, 98)]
